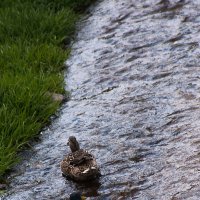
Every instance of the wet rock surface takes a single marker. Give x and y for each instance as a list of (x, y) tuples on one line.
[(134, 78)]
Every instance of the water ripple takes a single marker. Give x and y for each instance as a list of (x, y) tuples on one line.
[(134, 81)]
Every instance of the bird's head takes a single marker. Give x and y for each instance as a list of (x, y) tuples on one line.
[(77, 196), (73, 144)]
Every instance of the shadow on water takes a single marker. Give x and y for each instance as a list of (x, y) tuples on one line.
[(134, 79), (89, 188)]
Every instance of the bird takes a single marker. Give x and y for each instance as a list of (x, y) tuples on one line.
[(81, 196), (79, 165), (77, 196)]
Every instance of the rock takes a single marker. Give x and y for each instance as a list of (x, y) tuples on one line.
[(57, 97)]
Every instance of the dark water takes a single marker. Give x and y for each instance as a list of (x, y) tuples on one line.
[(134, 78)]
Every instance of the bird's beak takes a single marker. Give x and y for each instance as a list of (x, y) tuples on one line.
[(67, 143), (83, 197)]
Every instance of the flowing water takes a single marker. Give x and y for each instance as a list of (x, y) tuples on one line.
[(134, 77)]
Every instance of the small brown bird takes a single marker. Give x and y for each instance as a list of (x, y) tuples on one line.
[(79, 165)]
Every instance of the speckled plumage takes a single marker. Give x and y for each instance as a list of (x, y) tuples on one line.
[(79, 165)]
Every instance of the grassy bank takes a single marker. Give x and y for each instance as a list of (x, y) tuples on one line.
[(32, 37)]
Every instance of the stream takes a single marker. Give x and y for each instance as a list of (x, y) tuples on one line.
[(134, 78)]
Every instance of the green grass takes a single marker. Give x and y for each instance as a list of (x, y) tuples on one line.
[(31, 64)]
